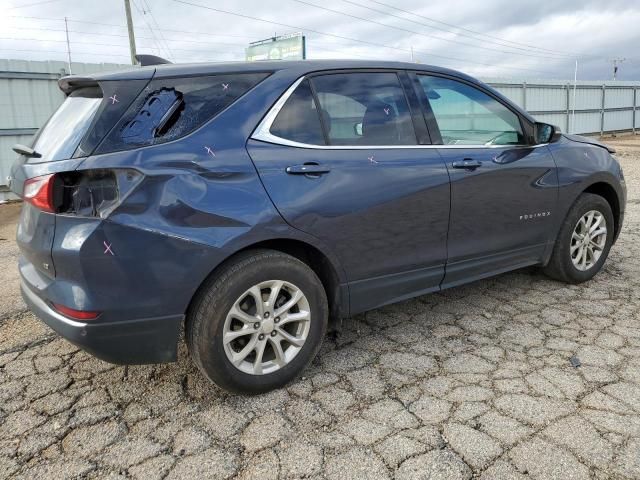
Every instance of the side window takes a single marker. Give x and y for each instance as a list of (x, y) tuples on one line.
[(364, 109), (170, 108), (298, 119), (468, 116)]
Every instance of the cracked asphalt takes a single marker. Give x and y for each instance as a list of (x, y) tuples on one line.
[(472, 382)]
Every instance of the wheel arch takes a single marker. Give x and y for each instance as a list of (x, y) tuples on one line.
[(609, 193), (320, 262)]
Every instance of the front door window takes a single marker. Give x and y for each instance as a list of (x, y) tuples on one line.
[(468, 116)]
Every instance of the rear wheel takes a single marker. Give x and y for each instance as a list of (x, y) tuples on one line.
[(258, 323), (584, 240)]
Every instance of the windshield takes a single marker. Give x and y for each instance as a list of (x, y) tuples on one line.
[(60, 137)]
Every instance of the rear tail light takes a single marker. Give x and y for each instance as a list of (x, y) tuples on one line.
[(75, 314), (86, 193), (38, 191)]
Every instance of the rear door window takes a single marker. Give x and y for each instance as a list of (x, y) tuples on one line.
[(298, 120), (169, 108), (364, 109)]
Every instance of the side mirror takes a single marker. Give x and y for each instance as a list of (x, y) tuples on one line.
[(545, 133), (357, 129)]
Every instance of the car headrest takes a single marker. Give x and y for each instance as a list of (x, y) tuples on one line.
[(380, 124)]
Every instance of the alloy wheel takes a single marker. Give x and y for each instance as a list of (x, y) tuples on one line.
[(588, 240), (266, 327)]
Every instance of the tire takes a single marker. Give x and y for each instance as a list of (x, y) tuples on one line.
[(210, 317), (561, 266)]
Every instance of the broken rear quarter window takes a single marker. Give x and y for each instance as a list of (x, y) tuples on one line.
[(169, 108)]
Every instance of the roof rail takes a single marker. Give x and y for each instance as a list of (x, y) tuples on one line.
[(145, 60)]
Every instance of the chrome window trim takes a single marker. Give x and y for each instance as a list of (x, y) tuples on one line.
[(263, 134)]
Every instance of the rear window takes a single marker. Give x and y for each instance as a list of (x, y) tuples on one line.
[(169, 108), (64, 130)]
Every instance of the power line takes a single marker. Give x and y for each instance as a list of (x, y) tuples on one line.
[(138, 37), (141, 12), (32, 4), (505, 43), (60, 51), (200, 33), (375, 44), (153, 18), (74, 42), (415, 32), (193, 32), (321, 33), (313, 39), (473, 32), (156, 40)]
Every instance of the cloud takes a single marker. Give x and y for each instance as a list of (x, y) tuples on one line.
[(591, 30)]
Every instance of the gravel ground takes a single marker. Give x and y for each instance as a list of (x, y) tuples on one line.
[(474, 381)]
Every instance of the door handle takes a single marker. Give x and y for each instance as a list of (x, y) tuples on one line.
[(467, 164), (308, 169)]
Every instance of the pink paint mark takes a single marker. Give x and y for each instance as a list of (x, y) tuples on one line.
[(210, 151), (372, 159), (114, 99), (225, 86), (386, 111), (107, 248)]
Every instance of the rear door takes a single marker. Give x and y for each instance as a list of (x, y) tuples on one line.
[(340, 155), (503, 191)]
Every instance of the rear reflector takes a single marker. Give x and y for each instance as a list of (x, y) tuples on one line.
[(75, 314), (38, 191)]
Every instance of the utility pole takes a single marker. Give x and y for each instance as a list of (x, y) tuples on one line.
[(66, 29), (616, 65), (132, 38)]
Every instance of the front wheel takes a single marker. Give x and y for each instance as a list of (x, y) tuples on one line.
[(258, 323), (584, 240)]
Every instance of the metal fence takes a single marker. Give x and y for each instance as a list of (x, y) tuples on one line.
[(29, 94), (599, 107)]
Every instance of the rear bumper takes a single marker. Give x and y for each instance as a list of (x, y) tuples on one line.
[(140, 341)]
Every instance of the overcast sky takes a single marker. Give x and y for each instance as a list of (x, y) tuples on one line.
[(490, 38)]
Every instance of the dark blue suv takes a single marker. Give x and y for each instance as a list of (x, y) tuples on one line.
[(257, 203)]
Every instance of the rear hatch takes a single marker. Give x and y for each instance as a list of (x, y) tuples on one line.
[(45, 175)]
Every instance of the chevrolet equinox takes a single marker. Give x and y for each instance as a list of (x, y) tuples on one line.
[(254, 204)]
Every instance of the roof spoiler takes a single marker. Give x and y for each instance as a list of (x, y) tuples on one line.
[(146, 60), (70, 83)]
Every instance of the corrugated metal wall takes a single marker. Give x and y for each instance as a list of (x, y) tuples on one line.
[(600, 107), (29, 94)]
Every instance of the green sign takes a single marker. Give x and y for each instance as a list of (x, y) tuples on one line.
[(287, 47)]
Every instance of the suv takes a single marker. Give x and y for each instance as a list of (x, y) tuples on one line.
[(257, 203)]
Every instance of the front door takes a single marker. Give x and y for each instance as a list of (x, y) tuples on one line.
[(503, 192), (341, 162)]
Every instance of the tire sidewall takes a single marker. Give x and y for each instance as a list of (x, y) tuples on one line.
[(585, 204), (211, 352)]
